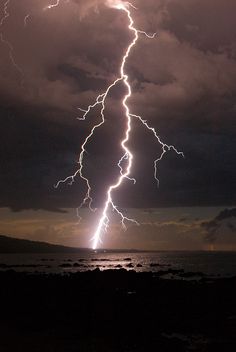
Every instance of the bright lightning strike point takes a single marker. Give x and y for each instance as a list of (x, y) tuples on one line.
[(127, 157)]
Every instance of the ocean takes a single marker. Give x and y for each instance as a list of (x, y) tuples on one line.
[(165, 263)]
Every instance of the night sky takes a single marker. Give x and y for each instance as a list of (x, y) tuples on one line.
[(183, 84)]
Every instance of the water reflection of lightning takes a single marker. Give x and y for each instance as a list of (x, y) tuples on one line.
[(127, 157)]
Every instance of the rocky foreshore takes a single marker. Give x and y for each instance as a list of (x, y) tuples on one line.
[(115, 310)]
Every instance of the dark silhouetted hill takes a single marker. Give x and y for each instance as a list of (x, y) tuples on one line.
[(15, 245)]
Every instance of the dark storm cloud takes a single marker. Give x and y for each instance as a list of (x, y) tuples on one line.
[(183, 83), (212, 226)]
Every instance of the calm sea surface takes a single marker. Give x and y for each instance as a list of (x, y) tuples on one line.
[(210, 263)]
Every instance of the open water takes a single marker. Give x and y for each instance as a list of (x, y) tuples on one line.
[(212, 264)]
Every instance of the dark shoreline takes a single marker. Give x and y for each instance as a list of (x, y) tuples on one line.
[(115, 310)]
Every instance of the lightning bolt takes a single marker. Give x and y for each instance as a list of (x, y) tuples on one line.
[(5, 16), (26, 19), (126, 161), (5, 12), (127, 157), (7, 43), (48, 7), (51, 6)]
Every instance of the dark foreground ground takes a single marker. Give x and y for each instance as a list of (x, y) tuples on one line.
[(115, 311)]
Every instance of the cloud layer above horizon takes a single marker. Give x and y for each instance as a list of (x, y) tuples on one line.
[(161, 229)]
